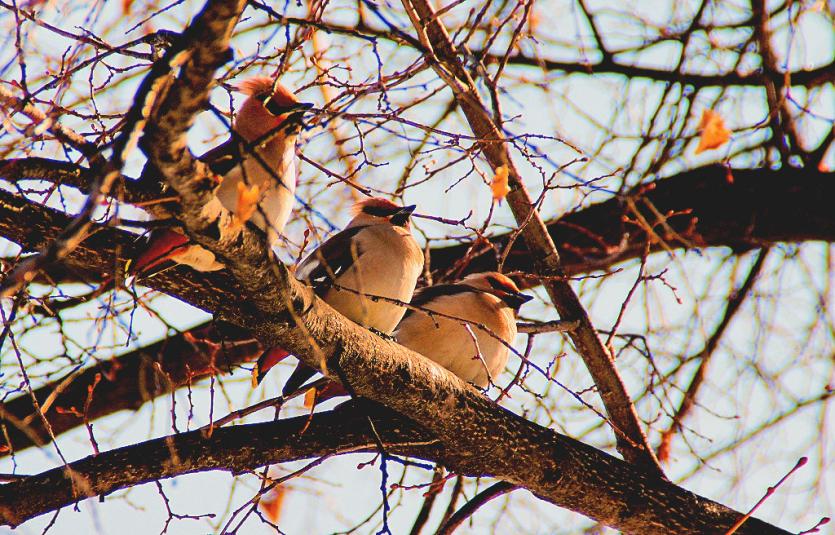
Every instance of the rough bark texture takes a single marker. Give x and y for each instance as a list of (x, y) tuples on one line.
[(711, 207), (242, 448), (759, 208), (477, 437), (235, 449)]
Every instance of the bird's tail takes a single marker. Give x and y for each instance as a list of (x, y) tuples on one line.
[(267, 360), (321, 393), (156, 256), (302, 373)]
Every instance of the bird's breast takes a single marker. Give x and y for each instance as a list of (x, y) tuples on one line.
[(388, 268)]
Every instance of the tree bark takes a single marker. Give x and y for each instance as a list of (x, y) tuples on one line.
[(126, 382), (760, 207), (476, 436), (581, 478)]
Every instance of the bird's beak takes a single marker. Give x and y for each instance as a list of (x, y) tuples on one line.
[(402, 216), (515, 300), (277, 110), (294, 116)]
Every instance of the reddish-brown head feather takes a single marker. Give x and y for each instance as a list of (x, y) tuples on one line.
[(257, 85), (253, 119), (261, 86), (498, 285)]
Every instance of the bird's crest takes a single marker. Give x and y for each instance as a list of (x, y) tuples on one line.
[(257, 85), (264, 86)]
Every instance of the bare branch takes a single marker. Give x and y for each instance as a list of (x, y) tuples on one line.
[(666, 507), (630, 436)]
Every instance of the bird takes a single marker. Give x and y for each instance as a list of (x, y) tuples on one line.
[(488, 304), (257, 184), (374, 256)]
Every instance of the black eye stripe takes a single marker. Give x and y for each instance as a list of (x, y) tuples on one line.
[(275, 109), (380, 211), (499, 286)]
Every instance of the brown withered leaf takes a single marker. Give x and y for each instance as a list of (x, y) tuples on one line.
[(247, 201), (714, 132), (499, 185), (271, 503)]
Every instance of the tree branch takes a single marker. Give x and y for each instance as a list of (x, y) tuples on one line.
[(743, 209), (629, 435), (126, 382), (240, 449), (804, 77), (688, 400), (479, 437), (759, 208), (237, 449)]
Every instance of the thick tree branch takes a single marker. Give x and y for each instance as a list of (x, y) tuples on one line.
[(243, 448), (236, 449), (478, 436), (126, 382), (743, 209), (129, 190), (816, 77), (486, 439), (756, 208), (759, 208), (629, 435)]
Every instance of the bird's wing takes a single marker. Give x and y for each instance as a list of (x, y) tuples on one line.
[(331, 259), (424, 296), (224, 157)]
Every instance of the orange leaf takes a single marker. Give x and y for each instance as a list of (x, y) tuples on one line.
[(714, 133), (310, 398), (271, 503), (247, 201), (499, 185)]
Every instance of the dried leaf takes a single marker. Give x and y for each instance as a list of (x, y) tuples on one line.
[(499, 185), (247, 201), (271, 503), (714, 133), (310, 398)]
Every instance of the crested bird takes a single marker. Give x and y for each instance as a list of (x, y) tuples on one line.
[(466, 327), (257, 166), (374, 256), (476, 350)]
